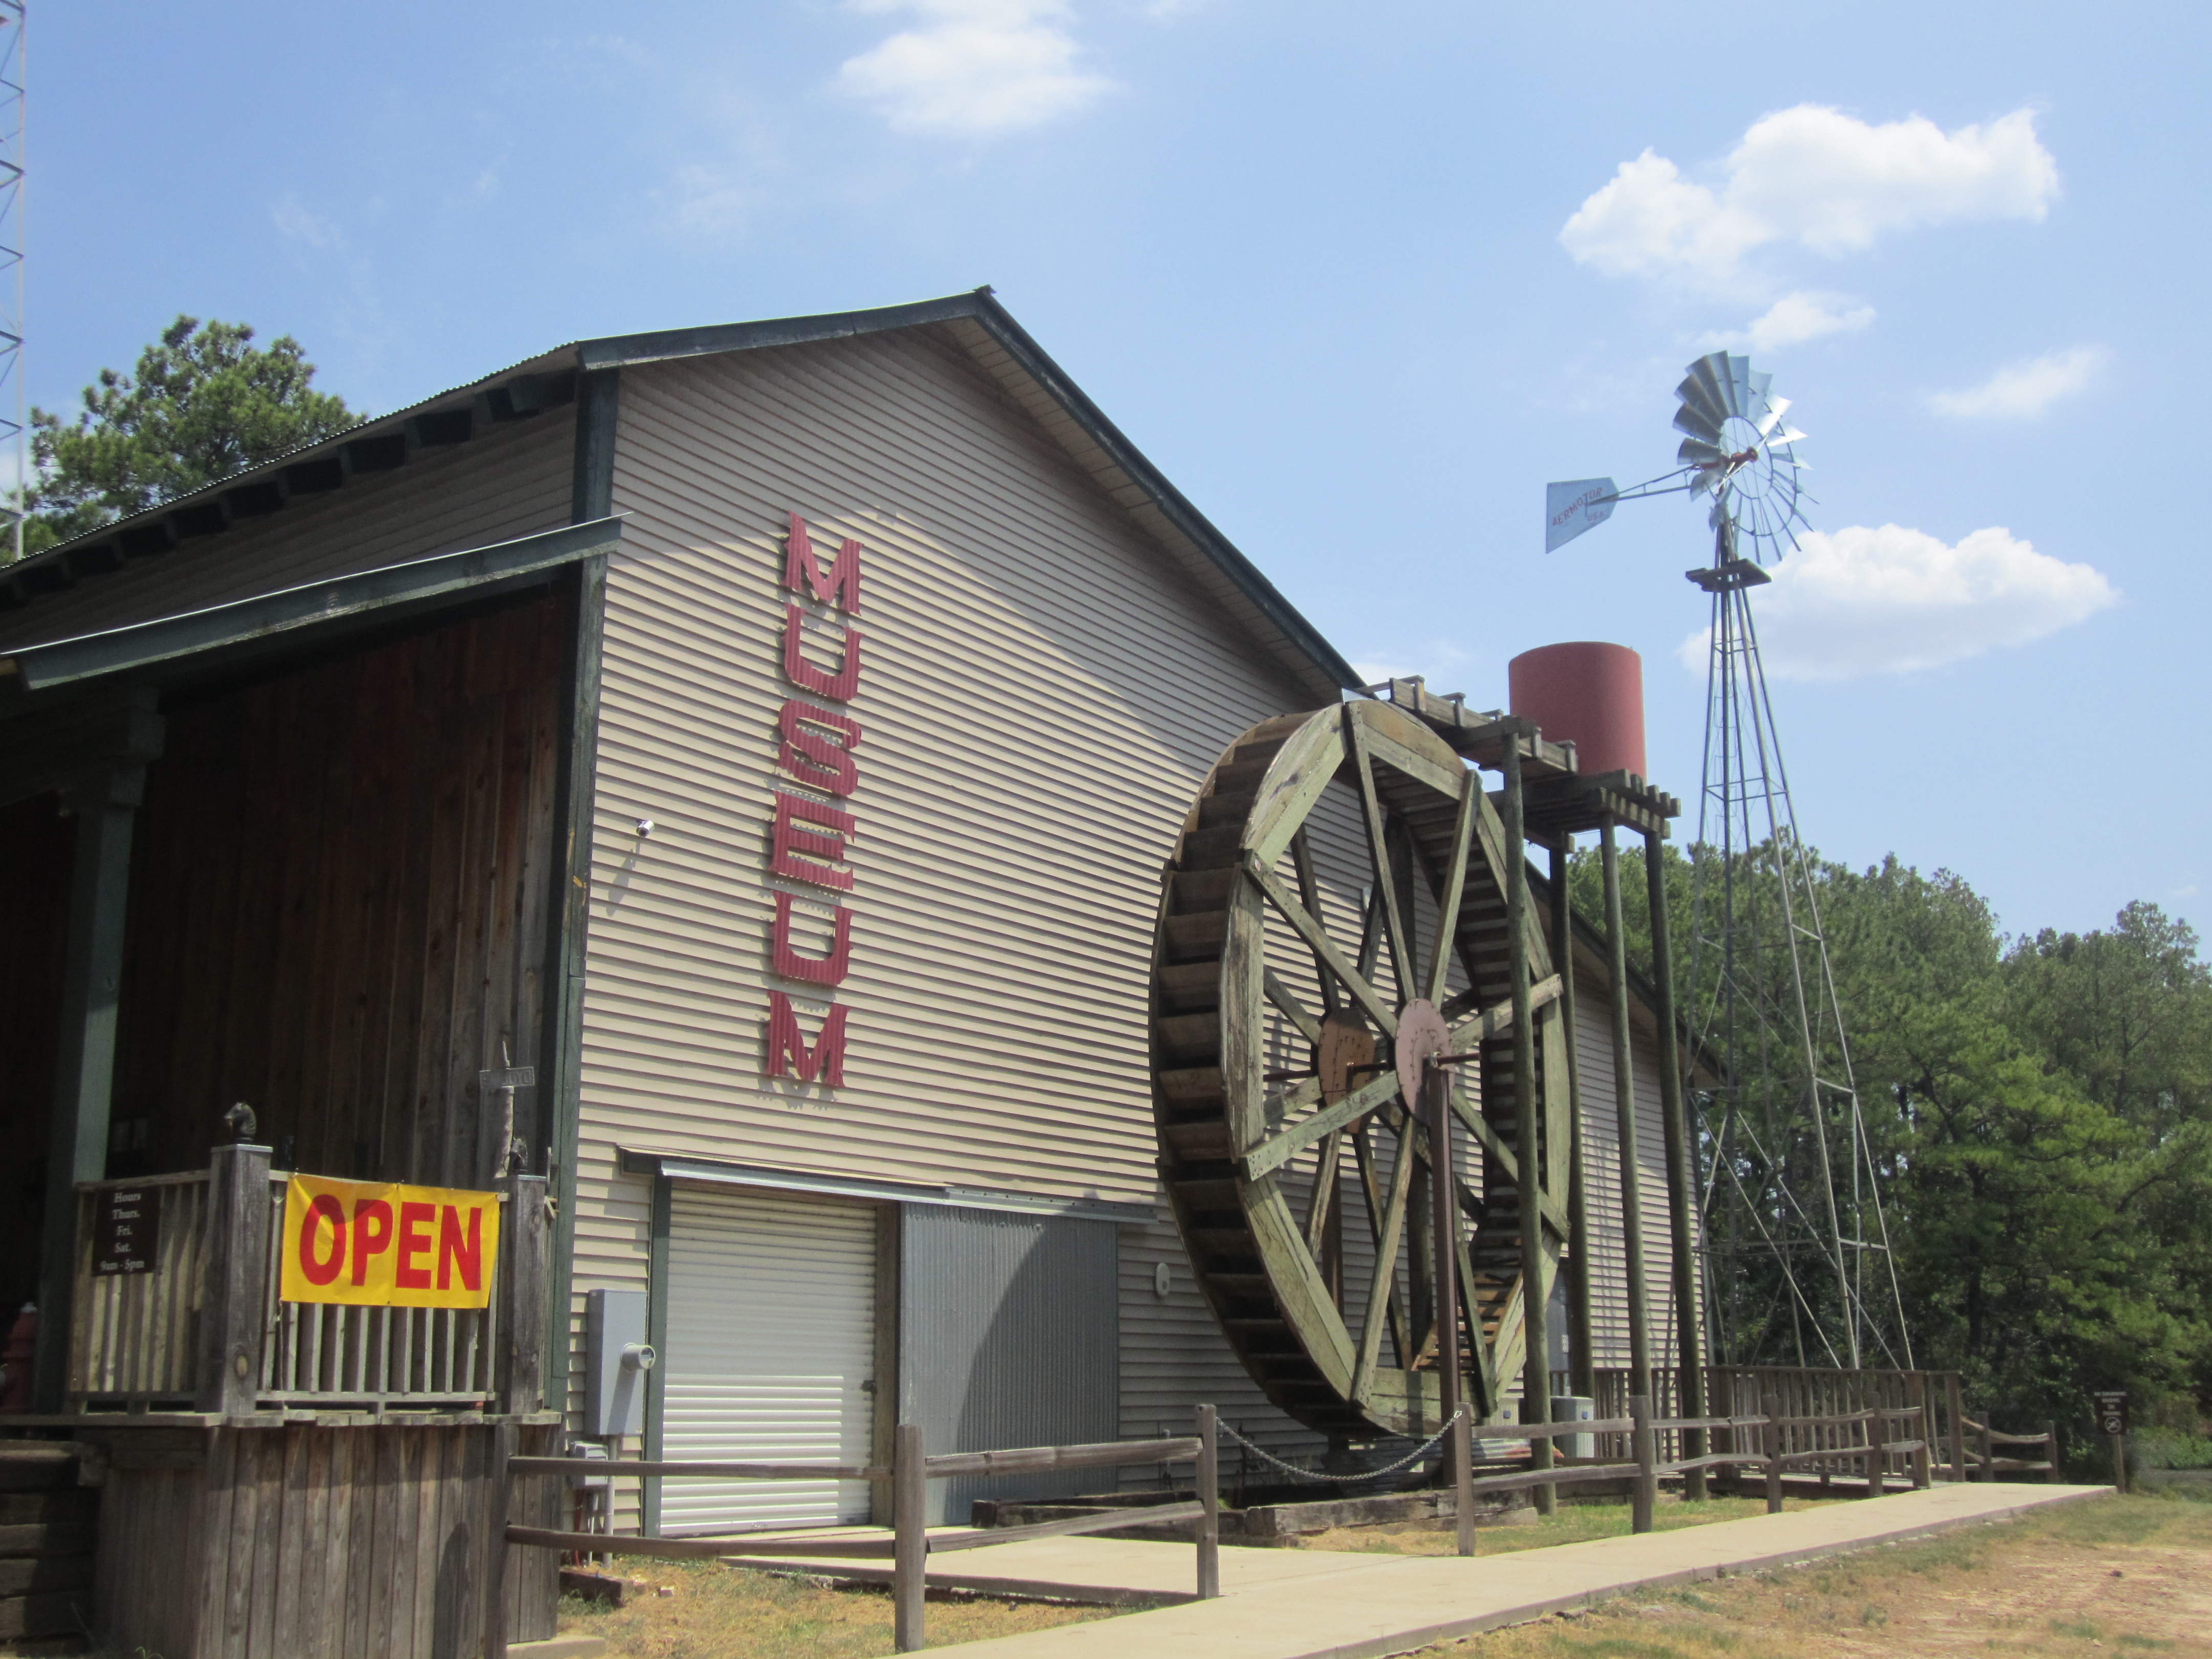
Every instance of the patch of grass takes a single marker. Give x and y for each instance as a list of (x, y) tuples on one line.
[(720, 1612), (2080, 1629), (2129, 1639)]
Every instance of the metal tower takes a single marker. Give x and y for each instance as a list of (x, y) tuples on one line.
[(15, 427), (1791, 1183)]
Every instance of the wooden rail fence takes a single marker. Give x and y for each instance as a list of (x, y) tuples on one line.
[(909, 1546)]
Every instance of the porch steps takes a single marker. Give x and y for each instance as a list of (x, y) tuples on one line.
[(48, 1528)]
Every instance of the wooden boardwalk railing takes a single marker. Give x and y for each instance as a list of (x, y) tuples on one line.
[(909, 1546)]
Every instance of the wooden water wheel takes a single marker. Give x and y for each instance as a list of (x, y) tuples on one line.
[(1288, 1001)]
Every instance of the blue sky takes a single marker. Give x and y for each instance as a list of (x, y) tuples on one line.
[(1361, 280)]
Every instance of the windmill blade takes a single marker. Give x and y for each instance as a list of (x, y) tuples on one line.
[(1694, 420), (1739, 386), (1574, 507), (1711, 373), (1766, 421), (1699, 452), (1698, 399), (1760, 383)]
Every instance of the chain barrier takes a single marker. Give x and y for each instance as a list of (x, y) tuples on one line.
[(1292, 1469)]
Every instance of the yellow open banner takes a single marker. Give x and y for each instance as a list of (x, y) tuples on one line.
[(387, 1245)]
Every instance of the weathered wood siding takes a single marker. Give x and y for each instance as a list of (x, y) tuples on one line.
[(1601, 1172), (1042, 691), (313, 1542), (507, 481), (339, 904)]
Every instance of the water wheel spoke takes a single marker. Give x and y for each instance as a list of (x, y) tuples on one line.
[(1287, 1000), (1402, 1340), (1309, 928), (1309, 894), (1322, 1204), (1383, 1285), (1455, 887), (1378, 856)]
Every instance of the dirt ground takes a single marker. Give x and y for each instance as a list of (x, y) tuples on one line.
[(2124, 1575)]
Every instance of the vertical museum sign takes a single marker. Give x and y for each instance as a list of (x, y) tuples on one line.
[(816, 778)]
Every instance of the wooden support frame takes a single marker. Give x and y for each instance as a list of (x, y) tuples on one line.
[(1535, 1280), (1624, 1107), (106, 806), (1681, 1203), (1582, 1341)]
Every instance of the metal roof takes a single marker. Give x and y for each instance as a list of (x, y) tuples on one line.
[(976, 321)]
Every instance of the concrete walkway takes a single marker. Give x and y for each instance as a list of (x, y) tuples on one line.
[(1316, 1604)]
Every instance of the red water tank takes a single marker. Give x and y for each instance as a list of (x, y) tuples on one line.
[(1586, 693)]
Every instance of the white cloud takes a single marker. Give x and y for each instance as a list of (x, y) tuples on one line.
[(1889, 600), (972, 68), (1812, 177), (703, 202), (1795, 319), (2020, 390)]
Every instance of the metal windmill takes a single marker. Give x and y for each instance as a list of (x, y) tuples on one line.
[(1797, 1245)]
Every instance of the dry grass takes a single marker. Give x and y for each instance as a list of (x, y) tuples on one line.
[(1573, 1524), (728, 1612), (2118, 1576)]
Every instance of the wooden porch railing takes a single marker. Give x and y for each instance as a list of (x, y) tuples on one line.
[(198, 1320)]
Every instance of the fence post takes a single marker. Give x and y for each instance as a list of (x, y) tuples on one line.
[(1209, 1495), (520, 1364), (2050, 1453), (1874, 1434), (1988, 1448), (1774, 1454), (1462, 1456), (910, 1539), (1922, 1474), (1644, 1496), (2119, 1462), (236, 1287), (1955, 1407), (499, 1501)]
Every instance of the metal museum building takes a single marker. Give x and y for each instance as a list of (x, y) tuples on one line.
[(909, 922)]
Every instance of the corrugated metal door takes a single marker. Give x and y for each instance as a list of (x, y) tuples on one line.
[(770, 1338), (1009, 1335)]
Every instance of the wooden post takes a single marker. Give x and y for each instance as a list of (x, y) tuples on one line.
[(1535, 1292), (1873, 1433), (1645, 1495), (1681, 1181), (1209, 1495), (498, 1503), (2050, 1453), (1582, 1342), (1436, 1096), (1624, 1109), (1774, 1439), (524, 1267), (235, 1289), (1988, 1450), (1923, 1476), (84, 1052), (1955, 1407), (910, 1538), (2119, 1462)]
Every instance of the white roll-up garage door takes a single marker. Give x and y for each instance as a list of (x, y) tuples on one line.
[(770, 1338)]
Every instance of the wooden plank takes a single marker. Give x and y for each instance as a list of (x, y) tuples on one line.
[(1301, 865), (1243, 963), (1455, 886), (1494, 1021), (1286, 1000), (1385, 1272), (1030, 1460), (294, 1558), (1296, 778), (1157, 1515)]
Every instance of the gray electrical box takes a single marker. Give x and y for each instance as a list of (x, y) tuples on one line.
[(1575, 1408), (617, 1360)]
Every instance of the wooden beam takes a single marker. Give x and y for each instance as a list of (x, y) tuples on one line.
[(1317, 940), (1623, 1106), (84, 1051), (1470, 789), (1681, 1214), (1279, 1149), (1378, 856)]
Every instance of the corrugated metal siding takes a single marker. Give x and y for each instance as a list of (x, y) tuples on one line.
[(771, 1335), (1043, 691), (1601, 1172), (511, 480), (1008, 1337)]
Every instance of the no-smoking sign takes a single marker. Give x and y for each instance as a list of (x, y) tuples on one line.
[(2112, 1413)]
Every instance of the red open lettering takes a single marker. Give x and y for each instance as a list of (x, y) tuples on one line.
[(371, 1235), (415, 1221), (817, 761), (802, 575), (787, 1052), (454, 1252), (325, 1208), (838, 685), (793, 849)]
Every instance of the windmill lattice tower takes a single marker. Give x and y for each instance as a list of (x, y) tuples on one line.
[(1797, 1268)]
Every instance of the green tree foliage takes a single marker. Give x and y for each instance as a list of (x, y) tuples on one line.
[(2042, 1111), (203, 403)]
